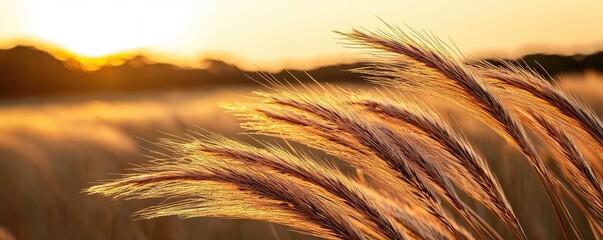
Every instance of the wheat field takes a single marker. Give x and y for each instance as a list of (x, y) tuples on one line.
[(380, 163)]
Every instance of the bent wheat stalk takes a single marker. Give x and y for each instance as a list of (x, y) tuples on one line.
[(525, 86), (369, 203), (317, 122), (461, 164), (423, 64), (576, 169), (235, 191)]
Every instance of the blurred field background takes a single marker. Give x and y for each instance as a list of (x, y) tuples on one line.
[(53, 147)]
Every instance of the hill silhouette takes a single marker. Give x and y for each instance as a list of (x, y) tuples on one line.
[(27, 71), (553, 65)]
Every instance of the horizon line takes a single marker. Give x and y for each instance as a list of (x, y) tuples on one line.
[(91, 64)]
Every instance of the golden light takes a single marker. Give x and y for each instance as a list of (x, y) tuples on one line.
[(100, 28)]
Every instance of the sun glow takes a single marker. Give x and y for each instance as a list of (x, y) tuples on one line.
[(94, 29)]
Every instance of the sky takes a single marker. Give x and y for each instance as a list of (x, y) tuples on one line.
[(273, 34)]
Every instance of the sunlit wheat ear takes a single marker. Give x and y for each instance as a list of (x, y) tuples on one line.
[(320, 121), (374, 208), (527, 90), (576, 169), (435, 176), (456, 157), (234, 191), (423, 64)]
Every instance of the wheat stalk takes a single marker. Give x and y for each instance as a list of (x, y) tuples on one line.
[(304, 167), (575, 168), (224, 189), (423, 64), (320, 123), (523, 86), (457, 158)]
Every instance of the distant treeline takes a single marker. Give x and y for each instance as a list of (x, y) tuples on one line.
[(554, 65), (26, 71)]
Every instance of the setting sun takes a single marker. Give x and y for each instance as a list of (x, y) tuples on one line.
[(100, 28), (274, 34)]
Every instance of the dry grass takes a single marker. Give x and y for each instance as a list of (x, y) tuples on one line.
[(418, 168)]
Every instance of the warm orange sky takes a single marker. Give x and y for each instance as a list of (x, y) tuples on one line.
[(275, 33)]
